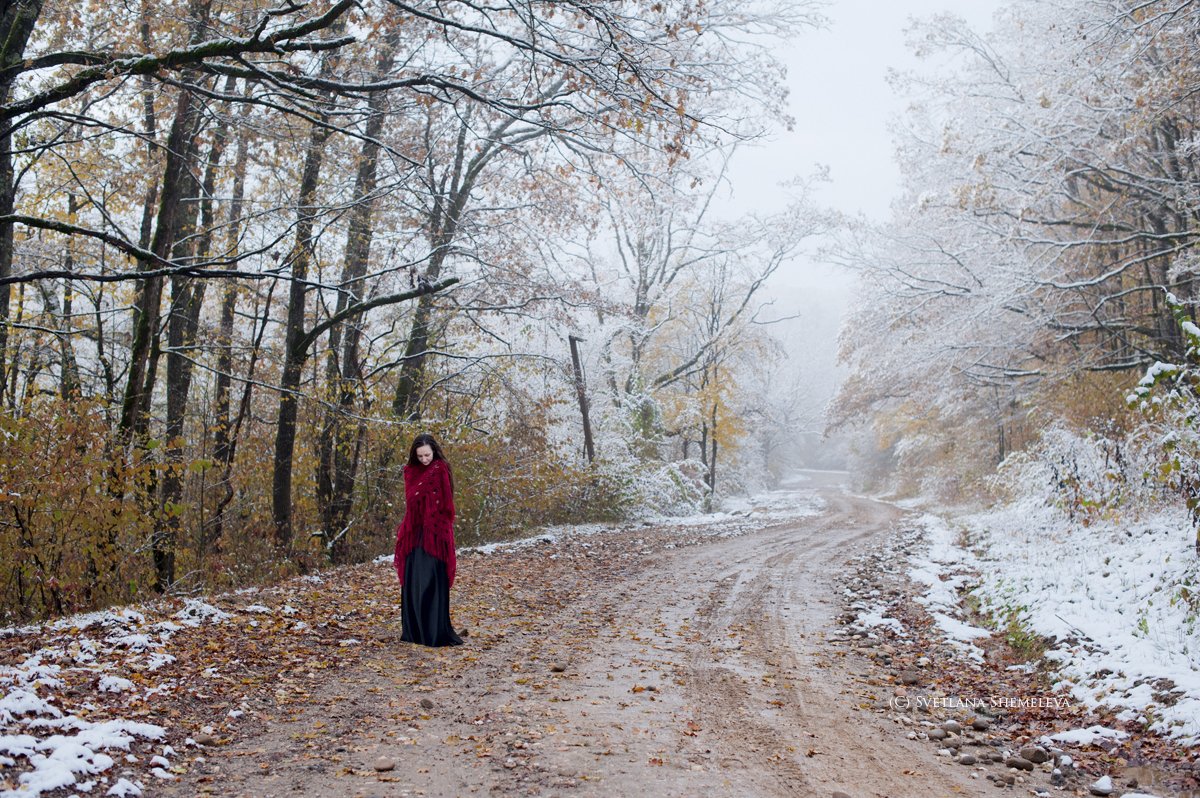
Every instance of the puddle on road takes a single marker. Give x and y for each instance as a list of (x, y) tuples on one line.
[(1155, 781)]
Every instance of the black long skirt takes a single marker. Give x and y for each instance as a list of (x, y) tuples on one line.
[(425, 602)]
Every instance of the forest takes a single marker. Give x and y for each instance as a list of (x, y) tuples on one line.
[(1025, 325), (247, 251), (250, 249)]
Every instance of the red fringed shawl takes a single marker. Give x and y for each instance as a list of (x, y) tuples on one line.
[(428, 516)]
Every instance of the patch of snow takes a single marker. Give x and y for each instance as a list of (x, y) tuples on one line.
[(115, 684), (944, 569), (56, 760), (162, 689), (876, 618), (196, 612), (24, 702), (1117, 608), (957, 630), (1084, 737), (124, 788), (136, 642), (18, 744), (33, 670)]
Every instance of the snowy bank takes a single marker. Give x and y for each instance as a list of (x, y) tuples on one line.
[(1119, 601)]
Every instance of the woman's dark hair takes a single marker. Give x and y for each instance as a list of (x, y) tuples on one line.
[(425, 439)]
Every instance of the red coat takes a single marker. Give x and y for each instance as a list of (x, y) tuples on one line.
[(428, 516)]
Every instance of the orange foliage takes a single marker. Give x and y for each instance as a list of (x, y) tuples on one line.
[(72, 533)]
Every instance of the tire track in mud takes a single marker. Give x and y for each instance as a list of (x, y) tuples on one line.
[(793, 726), (751, 685)]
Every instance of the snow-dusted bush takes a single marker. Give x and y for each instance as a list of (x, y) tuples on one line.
[(1169, 397), (1126, 473), (1085, 474), (666, 488)]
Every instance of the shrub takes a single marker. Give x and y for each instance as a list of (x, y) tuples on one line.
[(73, 533)]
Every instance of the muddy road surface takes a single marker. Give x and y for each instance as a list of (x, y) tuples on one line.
[(655, 661)]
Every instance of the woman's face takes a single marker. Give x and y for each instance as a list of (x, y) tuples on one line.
[(425, 454)]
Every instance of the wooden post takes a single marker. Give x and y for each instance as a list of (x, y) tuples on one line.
[(581, 392)]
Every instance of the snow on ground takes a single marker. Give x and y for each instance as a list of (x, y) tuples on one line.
[(1120, 601), (944, 570), (873, 616), (870, 607), (737, 516), (63, 749), (1085, 736)]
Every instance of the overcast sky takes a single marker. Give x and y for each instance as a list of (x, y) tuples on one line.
[(842, 104)]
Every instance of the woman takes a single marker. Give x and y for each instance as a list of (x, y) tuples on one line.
[(424, 560)]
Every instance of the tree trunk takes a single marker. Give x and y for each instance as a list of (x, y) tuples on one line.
[(70, 386), (140, 380), (182, 326), (230, 452), (68, 369), (295, 354), (225, 442), (407, 403), (712, 457), (17, 20), (581, 395), (294, 357), (341, 441), (150, 126), (451, 195), (177, 177)]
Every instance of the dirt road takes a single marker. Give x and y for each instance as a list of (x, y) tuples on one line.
[(672, 661)]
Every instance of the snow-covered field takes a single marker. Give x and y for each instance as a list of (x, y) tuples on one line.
[(1120, 601)]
